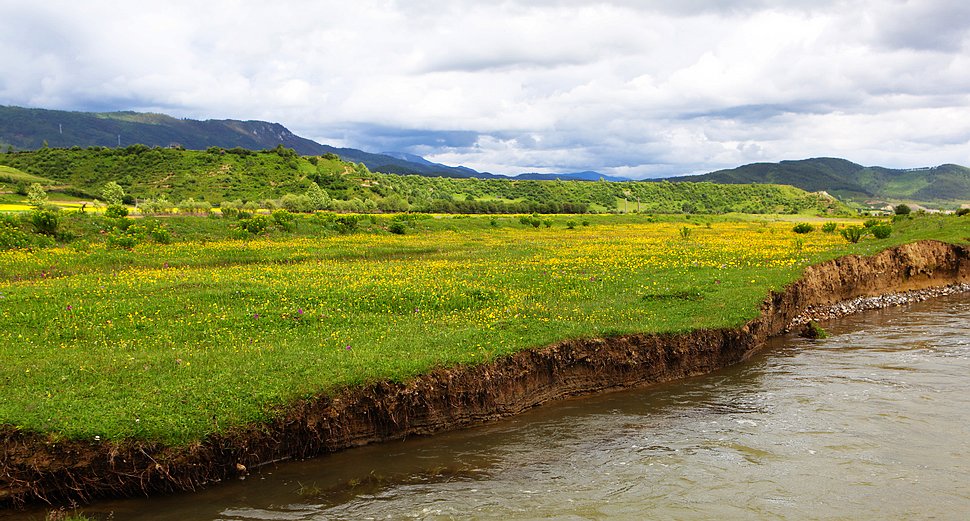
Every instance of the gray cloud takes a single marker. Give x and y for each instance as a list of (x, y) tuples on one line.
[(639, 88)]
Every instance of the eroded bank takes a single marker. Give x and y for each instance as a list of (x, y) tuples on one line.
[(42, 468)]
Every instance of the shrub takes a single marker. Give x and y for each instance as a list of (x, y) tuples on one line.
[(397, 228), (230, 209), (685, 232), (963, 211), (256, 224), (155, 207), (871, 222), (571, 224), (346, 223), (829, 227), (881, 231), (36, 196), (112, 193), (11, 236), (284, 220), (116, 211), (297, 203), (853, 233), (902, 209), (192, 206), (45, 220), (803, 228), (161, 235), (122, 239)]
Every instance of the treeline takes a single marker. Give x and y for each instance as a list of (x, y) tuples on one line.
[(279, 178)]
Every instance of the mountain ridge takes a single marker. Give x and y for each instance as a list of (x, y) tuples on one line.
[(851, 181), (31, 129)]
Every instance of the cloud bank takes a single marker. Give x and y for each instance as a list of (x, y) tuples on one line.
[(635, 88)]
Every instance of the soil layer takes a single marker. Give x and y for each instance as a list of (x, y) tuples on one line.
[(43, 468)]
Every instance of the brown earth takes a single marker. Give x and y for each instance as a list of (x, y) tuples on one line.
[(37, 468)]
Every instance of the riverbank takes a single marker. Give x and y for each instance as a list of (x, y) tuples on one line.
[(52, 469)]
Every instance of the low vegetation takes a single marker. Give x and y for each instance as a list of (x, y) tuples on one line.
[(116, 329), (162, 180)]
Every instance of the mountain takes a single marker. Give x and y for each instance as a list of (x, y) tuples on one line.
[(30, 129), (852, 181), (575, 176)]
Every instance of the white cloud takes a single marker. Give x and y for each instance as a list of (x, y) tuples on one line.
[(623, 86)]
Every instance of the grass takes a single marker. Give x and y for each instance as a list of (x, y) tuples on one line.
[(15, 175), (174, 342)]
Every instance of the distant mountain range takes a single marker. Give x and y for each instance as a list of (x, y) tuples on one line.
[(851, 181), (30, 129)]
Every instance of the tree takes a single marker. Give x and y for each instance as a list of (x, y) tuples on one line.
[(319, 198), (902, 209), (112, 193), (36, 196)]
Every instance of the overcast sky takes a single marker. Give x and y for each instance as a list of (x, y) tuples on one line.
[(638, 88)]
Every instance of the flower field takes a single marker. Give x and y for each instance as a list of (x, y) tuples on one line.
[(172, 342)]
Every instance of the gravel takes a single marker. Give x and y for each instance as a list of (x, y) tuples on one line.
[(841, 309)]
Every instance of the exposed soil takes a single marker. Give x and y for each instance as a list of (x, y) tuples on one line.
[(35, 468)]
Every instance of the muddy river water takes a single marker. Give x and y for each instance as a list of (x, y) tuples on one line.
[(870, 423)]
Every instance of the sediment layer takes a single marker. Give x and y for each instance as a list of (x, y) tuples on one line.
[(37, 468)]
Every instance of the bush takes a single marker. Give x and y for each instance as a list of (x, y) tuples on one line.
[(284, 220), (571, 224), (902, 209), (116, 211), (397, 228), (155, 207), (963, 211), (45, 220), (12, 236), (829, 227), (230, 209), (803, 228), (112, 193), (346, 223), (853, 233), (36, 196), (122, 239), (297, 203), (872, 222), (255, 225), (881, 231)]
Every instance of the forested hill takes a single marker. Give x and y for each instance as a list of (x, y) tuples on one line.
[(849, 180), (31, 129), (280, 176)]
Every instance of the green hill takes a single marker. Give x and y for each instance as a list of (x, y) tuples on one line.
[(945, 183), (216, 175), (30, 129)]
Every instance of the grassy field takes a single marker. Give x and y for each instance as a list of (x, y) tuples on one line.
[(175, 341)]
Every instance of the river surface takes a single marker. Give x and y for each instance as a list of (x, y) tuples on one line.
[(870, 423)]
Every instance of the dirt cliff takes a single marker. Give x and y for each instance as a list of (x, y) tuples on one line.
[(41, 468)]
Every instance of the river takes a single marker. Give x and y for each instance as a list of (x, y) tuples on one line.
[(870, 423)]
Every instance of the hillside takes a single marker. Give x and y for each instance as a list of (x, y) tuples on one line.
[(30, 129), (217, 175), (945, 183)]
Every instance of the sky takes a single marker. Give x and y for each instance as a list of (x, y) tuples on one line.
[(647, 88)]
